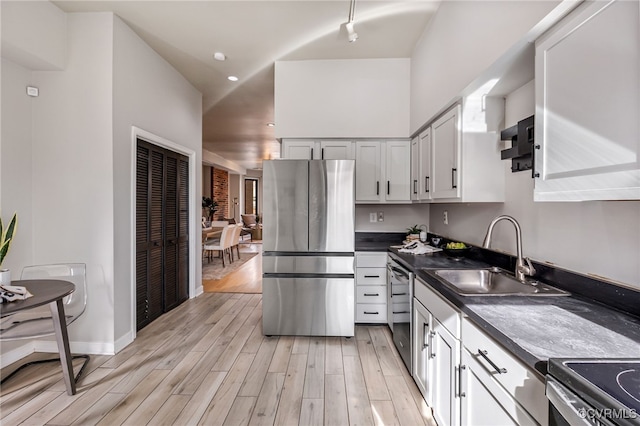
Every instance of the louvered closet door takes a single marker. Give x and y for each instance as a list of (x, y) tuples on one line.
[(162, 225)]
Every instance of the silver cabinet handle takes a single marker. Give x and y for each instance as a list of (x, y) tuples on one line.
[(483, 354), (372, 276), (432, 334), (400, 312), (453, 178), (425, 336), (371, 313), (372, 294), (459, 378)]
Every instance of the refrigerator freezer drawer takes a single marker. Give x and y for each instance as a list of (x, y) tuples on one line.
[(308, 306), (307, 264)]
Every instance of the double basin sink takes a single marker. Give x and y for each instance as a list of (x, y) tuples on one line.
[(492, 282)]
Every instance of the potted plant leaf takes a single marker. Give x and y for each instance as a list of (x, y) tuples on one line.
[(6, 236), (209, 207), (413, 233)]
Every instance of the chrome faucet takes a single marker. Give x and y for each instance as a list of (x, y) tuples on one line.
[(522, 270)]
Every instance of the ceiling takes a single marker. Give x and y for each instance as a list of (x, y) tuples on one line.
[(253, 35)]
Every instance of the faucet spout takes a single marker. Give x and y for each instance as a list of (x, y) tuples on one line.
[(522, 269)]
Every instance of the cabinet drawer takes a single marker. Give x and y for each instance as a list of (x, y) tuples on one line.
[(372, 312), (518, 380), (371, 259), (371, 294), (400, 293), (368, 276), (446, 313)]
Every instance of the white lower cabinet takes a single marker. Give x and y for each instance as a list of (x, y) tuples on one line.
[(484, 401), (464, 375), (371, 287), (524, 388)]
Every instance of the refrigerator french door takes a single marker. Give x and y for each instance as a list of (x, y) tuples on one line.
[(308, 247)]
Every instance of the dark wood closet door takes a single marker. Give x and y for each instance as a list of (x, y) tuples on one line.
[(161, 231)]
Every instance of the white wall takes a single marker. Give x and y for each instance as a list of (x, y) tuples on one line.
[(66, 161), (342, 98), (16, 170), (34, 34), (150, 94), (595, 237), (397, 218), (463, 39), (72, 189)]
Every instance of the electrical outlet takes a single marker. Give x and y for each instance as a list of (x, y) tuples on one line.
[(373, 217), (380, 216), (445, 217)]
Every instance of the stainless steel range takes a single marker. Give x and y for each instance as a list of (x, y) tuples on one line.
[(594, 391)]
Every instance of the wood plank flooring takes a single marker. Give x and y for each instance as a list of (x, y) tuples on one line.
[(207, 363)]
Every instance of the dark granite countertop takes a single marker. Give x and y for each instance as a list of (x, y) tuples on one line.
[(534, 328), (377, 241)]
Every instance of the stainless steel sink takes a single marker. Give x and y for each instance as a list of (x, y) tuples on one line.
[(493, 282)]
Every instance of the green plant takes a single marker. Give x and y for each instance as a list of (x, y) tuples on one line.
[(415, 229), (6, 236), (210, 205)]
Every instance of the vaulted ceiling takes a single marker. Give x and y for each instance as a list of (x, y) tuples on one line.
[(253, 35)]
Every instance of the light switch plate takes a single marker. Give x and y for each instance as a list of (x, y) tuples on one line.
[(373, 217), (32, 91)]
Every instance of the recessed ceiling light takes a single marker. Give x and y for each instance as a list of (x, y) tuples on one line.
[(219, 56), (271, 124), (232, 78)]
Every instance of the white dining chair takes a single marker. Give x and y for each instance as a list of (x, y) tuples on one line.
[(223, 245), (37, 322), (235, 239)]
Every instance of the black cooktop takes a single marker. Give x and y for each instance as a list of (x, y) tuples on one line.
[(605, 383)]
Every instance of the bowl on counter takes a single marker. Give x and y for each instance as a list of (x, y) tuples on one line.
[(457, 253)]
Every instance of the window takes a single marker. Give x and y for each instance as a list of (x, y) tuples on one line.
[(251, 196)]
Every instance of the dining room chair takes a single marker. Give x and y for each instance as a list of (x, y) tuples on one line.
[(37, 322), (223, 245), (235, 239)]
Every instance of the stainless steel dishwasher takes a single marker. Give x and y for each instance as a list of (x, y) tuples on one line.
[(399, 301)]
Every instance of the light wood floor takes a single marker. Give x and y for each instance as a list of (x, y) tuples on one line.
[(207, 362), (246, 279)]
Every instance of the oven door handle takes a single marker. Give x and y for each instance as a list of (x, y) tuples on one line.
[(399, 271), (572, 408)]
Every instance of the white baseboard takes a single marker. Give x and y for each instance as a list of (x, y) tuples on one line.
[(17, 354), (124, 341), (199, 290), (93, 348)]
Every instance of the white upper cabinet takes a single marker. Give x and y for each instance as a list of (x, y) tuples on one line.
[(298, 149), (415, 168), (445, 166), (336, 150), (587, 123), (368, 170), (465, 163), (307, 149), (424, 175), (398, 170), (383, 171)]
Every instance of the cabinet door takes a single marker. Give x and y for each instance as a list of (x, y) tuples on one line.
[(336, 150), (421, 342), (415, 168), (445, 164), (298, 149), (588, 104), (424, 174), (445, 359), (397, 170), (368, 171), (481, 394)]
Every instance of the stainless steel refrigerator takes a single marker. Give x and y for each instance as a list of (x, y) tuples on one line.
[(308, 247)]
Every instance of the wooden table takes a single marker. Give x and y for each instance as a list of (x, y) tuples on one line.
[(49, 292)]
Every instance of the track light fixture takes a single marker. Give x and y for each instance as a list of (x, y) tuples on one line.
[(353, 35)]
